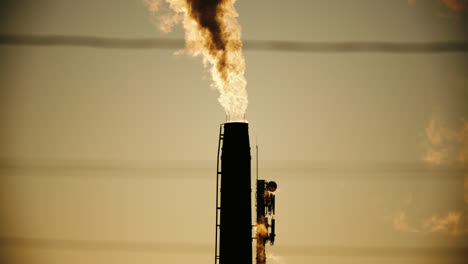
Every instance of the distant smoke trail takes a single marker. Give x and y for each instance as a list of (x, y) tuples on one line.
[(213, 33), (181, 248), (258, 45), (90, 41)]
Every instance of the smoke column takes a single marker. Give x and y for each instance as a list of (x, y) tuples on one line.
[(212, 32), (260, 237)]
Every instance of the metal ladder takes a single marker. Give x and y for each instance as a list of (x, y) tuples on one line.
[(218, 192)]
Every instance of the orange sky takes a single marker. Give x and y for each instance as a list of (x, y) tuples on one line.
[(108, 156)]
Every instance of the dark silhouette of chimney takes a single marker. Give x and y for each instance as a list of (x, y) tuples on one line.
[(235, 221)]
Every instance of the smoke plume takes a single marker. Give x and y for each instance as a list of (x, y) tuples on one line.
[(400, 223), (450, 224), (456, 5), (275, 259), (261, 237), (213, 33), (445, 145)]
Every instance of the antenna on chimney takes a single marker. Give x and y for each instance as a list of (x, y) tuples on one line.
[(257, 155)]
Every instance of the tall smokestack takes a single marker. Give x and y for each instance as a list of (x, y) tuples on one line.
[(235, 239)]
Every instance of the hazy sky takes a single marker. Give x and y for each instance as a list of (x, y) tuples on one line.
[(120, 145)]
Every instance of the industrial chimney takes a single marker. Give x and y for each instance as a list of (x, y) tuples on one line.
[(234, 203), (234, 210)]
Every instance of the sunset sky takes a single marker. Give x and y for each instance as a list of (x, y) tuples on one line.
[(109, 155)]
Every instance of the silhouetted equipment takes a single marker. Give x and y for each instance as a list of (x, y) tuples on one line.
[(265, 209), (233, 210), (271, 186), (272, 233)]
